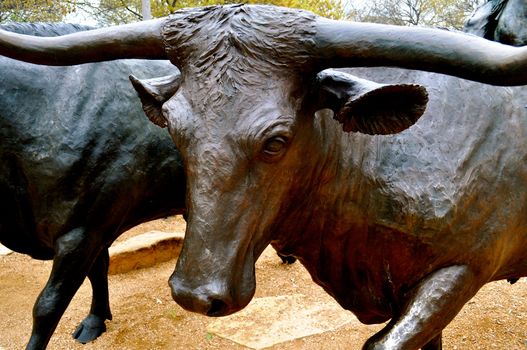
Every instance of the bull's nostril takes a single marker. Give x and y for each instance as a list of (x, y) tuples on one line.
[(217, 308)]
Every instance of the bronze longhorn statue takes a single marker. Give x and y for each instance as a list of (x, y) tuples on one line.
[(394, 227)]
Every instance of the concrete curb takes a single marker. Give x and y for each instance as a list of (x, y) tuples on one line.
[(4, 251), (145, 250)]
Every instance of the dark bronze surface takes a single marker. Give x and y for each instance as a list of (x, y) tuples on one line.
[(405, 227)]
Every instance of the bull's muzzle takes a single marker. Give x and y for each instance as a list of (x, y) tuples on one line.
[(211, 299), (215, 271)]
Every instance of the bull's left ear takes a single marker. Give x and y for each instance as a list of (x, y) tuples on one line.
[(154, 93), (365, 106)]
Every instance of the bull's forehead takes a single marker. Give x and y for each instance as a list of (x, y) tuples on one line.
[(238, 91), (224, 112), (241, 68), (217, 36)]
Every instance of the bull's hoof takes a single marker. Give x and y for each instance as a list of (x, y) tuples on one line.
[(287, 259), (89, 329)]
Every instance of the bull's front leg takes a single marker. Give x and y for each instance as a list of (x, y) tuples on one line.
[(75, 253), (430, 308), (93, 325)]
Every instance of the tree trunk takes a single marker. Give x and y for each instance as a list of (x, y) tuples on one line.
[(147, 13)]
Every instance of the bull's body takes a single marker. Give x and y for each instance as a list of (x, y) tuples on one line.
[(79, 166), (449, 191)]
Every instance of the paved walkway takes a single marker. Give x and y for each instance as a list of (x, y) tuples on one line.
[(272, 320)]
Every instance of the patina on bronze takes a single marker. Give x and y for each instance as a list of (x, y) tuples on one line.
[(394, 227)]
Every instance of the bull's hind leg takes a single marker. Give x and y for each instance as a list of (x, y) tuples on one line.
[(93, 325), (431, 306), (75, 253)]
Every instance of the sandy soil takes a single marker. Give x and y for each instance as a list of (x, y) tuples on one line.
[(145, 317)]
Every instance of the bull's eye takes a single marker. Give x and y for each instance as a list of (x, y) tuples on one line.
[(274, 145)]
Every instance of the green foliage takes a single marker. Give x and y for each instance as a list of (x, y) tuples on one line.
[(110, 12), (34, 10), (120, 11), (446, 13), (327, 8), (113, 12)]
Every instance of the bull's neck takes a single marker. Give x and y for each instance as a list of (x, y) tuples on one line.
[(331, 227), (350, 189), (332, 195)]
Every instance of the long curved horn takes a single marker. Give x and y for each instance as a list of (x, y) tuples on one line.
[(137, 40), (348, 44)]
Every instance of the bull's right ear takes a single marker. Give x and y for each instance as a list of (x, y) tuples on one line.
[(154, 93), (367, 107)]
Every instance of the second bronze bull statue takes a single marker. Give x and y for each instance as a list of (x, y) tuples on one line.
[(500, 20), (393, 227), (71, 182)]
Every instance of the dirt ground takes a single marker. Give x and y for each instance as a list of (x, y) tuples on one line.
[(145, 317)]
